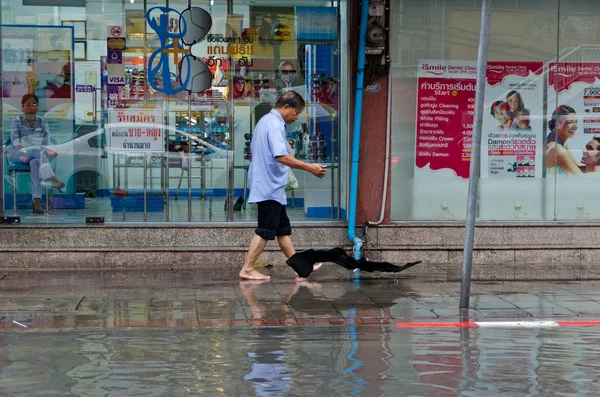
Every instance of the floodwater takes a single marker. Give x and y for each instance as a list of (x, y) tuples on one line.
[(347, 360), (181, 334)]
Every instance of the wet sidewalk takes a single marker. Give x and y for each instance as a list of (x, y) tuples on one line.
[(64, 301)]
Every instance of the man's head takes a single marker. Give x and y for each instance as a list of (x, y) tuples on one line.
[(287, 72), (591, 154), (499, 110), (289, 106)]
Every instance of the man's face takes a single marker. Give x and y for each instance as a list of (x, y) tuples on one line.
[(290, 114), (288, 73), (501, 115), (590, 154)]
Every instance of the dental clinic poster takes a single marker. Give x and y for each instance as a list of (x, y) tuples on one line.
[(576, 85), (445, 113), (445, 105), (513, 127)]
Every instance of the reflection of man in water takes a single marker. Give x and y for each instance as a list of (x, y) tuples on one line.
[(269, 374), (591, 156)]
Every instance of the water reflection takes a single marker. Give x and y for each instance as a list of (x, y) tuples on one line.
[(365, 349), (268, 348), (270, 357), (267, 355)]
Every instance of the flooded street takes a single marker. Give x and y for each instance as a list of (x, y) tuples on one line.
[(104, 335), (325, 361)]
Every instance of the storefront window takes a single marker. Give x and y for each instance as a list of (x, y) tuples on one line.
[(540, 119), (144, 111)]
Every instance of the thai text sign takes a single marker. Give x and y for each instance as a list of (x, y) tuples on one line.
[(136, 130)]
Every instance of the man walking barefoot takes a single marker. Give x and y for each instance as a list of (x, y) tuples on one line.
[(268, 178)]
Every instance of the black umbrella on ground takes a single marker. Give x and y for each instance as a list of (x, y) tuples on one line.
[(304, 261)]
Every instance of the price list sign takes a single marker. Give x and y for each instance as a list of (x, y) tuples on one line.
[(445, 110)]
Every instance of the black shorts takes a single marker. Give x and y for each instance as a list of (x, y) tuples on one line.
[(272, 220)]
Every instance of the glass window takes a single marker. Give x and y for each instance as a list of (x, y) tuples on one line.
[(434, 74), (574, 113), (146, 113)]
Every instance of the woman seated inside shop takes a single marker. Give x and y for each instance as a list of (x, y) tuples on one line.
[(29, 135)]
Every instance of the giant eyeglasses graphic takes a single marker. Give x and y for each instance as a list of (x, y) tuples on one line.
[(194, 75)]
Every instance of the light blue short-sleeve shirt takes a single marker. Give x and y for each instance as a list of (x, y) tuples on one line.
[(23, 134), (267, 177)]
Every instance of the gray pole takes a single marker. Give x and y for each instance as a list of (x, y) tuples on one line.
[(2, 133), (465, 287)]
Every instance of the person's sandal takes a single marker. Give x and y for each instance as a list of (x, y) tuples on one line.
[(59, 187), (37, 206), (57, 184)]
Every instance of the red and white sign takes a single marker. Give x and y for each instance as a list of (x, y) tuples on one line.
[(116, 31), (561, 76), (136, 130), (445, 114), (445, 107), (574, 88), (499, 324), (513, 128)]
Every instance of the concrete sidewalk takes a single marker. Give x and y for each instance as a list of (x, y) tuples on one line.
[(60, 301)]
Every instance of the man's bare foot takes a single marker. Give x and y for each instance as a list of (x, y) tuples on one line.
[(250, 285), (316, 267), (253, 275)]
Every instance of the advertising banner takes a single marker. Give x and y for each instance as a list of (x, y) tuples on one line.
[(572, 139), (445, 107), (512, 120), (445, 113), (136, 130)]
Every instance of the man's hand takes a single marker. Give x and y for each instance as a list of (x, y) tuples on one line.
[(317, 170), (19, 147)]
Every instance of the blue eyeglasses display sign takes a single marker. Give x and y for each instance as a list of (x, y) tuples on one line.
[(193, 75)]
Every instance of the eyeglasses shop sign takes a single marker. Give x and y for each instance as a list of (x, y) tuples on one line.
[(374, 87), (136, 130)]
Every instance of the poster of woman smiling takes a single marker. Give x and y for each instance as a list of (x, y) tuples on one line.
[(511, 145), (573, 118)]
